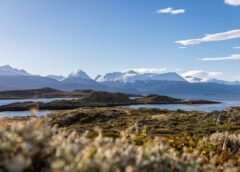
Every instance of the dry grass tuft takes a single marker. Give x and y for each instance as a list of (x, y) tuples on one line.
[(37, 146)]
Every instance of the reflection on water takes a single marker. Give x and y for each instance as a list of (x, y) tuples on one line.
[(27, 113)]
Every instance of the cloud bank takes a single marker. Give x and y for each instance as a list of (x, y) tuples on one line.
[(232, 2), (231, 57), (233, 34), (148, 70), (204, 76), (171, 11)]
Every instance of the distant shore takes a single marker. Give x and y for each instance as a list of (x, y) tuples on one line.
[(85, 98)]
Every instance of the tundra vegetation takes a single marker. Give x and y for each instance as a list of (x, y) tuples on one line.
[(122, 139)]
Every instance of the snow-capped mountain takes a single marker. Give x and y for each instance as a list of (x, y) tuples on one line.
[(7, 70), (224, 82), (78, 76), (131, 76), (126, 81), (193, 79), (80, 80)]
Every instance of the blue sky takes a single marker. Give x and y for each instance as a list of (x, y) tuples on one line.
[(99, 36)]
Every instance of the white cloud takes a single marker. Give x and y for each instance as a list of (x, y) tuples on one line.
[(232, 2), (171, 11), (204, 76), (231, 57), (233, 34), (148, 70)]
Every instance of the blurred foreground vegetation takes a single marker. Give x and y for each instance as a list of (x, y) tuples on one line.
[(122, 139)]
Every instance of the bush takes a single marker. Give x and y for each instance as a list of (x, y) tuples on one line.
[(37, 146)]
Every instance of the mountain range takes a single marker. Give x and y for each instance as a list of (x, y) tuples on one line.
[(7, 70), (129, 81), (193, 79), (132, 76)]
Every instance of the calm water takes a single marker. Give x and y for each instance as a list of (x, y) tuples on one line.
[(227, 101), (5, 102), (205, 108), (26, 113)]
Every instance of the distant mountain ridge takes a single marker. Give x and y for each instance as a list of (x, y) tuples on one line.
[(192, 79), (56, 77), (132, 76), (78, 75), (128, 81), (14, 79), (7, 70)]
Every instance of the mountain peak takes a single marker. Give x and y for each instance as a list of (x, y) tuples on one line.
[(8, 70), (79, 74), (6, 67), (132, 72)]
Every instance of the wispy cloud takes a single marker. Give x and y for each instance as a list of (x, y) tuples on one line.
[(231, 57), (171, 11), (232, 2), (203, 75), (148, 70), (233, 34)]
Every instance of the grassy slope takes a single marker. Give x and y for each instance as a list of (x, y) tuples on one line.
[(157, 122)]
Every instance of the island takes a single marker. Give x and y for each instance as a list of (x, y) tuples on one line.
[(87, 98)]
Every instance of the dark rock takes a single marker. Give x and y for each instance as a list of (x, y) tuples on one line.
[(106, 97)]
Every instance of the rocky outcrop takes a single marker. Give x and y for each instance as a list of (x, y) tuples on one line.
[(157, 99), (106, 97)]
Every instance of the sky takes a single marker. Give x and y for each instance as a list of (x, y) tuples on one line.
[(201, 37)]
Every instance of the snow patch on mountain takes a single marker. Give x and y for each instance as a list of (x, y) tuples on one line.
[(206, 77), (200, 76), (79, 74)]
